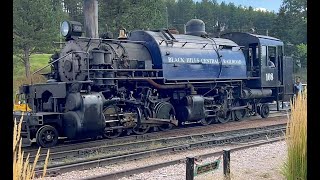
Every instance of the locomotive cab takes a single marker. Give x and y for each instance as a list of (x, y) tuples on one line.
[(266, 64)]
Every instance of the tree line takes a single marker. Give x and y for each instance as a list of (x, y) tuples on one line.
[(36, 23)]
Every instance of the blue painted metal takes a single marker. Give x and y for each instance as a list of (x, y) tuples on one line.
[(193, 58), (270, 42), (267, 40), (248, 38)]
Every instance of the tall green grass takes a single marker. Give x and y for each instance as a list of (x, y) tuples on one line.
[(295, 167)]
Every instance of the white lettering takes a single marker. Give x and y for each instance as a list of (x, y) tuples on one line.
[(203, 61), (269, 77)]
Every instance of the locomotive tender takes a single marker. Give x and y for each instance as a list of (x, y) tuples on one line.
[(153, 79)]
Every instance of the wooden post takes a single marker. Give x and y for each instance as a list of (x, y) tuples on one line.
[(226, 163), (190, 168), (90, 11)]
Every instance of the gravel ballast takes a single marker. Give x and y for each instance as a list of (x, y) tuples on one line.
[(261, 162)]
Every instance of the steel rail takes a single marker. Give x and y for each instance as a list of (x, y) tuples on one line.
[(101, 161), (91, 143), (138, 170), (131, 145)]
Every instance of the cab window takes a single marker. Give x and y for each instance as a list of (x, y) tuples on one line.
[(272, 52)]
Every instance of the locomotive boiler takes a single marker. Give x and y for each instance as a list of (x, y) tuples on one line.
[(153, 80)]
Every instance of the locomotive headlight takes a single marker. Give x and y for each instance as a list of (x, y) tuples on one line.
[(71, 28), (65, 28)]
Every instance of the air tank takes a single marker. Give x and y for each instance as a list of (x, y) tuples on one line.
[(256, 93)]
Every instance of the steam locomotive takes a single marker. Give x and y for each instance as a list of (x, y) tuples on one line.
[(155, 79)]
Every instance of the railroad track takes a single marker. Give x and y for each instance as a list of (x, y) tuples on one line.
[(270, 132), (85, 143), (138, 170), (113, 149)]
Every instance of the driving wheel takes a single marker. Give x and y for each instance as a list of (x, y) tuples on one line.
[(223, 117), (47, 136), (264, 110), (111, 117)]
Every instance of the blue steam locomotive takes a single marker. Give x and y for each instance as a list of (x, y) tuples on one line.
[(156, 80)]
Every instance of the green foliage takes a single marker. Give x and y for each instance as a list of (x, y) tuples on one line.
[(35, 25), (34, 29), (37, 61), (291, 23), (137, 14), (74, 9), (185, 10), (301, 54)]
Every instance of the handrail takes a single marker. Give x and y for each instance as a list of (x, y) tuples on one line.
[(55, 62), (115, 40), (146, 70)]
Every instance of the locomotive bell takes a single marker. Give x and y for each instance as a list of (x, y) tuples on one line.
[(195, 27), (173, 31), (122, 34)]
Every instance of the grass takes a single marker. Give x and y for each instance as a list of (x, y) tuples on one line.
[(37, 61), (23, 170), (295, 167)]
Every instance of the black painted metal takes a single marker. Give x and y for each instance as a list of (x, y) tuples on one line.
[(190, 168), (195, 27), (288, 79), (226, 163)]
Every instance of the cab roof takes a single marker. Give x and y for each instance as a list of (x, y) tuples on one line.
[(245, 38)]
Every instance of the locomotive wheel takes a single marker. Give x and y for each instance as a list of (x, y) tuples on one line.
[(111, 133), (222, 118), (206, 121), (241, 113), (264, 110), (141, 129), (47, 136), (165, 110), (165, 127)]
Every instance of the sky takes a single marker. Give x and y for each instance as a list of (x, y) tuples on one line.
[(270, 5)]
